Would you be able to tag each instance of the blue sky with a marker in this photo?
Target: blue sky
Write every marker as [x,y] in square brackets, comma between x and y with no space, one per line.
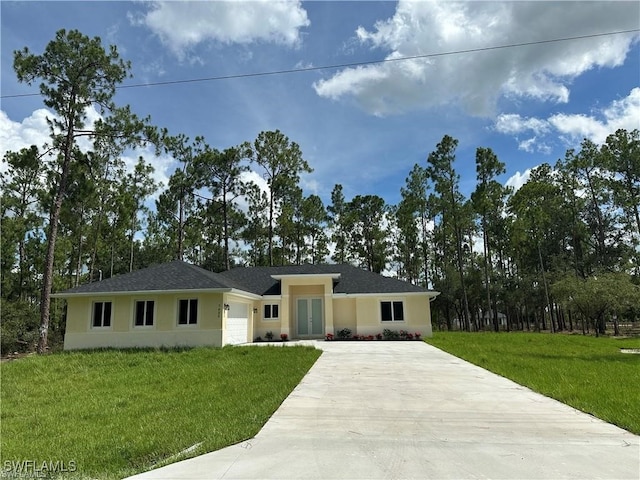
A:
[364,127]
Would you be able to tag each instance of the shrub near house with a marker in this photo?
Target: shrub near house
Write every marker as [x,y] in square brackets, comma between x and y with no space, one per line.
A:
[387,334]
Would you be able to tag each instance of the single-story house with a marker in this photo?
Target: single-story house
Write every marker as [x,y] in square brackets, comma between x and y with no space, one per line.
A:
[179,304]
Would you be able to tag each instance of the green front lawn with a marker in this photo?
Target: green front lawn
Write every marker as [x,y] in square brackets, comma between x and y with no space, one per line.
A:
[585,372]
[115,413]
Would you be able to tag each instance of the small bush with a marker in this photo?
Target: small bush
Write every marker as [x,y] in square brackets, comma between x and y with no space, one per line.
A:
[390,334]
[344,333]
[269,335]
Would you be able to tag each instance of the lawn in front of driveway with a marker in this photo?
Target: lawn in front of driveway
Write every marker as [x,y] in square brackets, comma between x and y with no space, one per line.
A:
[113,413]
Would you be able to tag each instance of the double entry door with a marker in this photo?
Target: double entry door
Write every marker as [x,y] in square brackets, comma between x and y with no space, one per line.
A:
[309,317]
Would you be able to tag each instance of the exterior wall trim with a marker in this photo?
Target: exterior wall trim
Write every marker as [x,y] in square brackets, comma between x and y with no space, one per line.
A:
[293,276]
[431,294]
[185,291]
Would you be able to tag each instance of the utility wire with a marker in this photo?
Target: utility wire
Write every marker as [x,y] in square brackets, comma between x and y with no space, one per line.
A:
[355,64]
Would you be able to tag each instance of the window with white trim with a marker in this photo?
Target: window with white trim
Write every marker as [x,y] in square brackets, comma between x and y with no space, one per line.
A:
[143,314]
[101,315]
[188,311]
[271,312]
[392,311]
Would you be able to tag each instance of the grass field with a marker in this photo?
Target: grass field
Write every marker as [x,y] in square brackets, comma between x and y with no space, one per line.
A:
[588,373]
[109,414]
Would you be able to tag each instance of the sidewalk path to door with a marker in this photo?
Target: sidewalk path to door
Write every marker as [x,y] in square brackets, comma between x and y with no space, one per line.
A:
[406,410]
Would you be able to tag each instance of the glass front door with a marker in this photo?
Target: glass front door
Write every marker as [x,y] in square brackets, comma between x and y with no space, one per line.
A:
[309,317]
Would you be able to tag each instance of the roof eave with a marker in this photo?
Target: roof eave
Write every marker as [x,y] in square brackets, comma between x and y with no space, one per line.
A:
[143,292]
[334,276]
[430,294]
[244,293]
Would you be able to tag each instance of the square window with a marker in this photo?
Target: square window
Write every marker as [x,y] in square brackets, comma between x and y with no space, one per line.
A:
[392,311]
[271,312]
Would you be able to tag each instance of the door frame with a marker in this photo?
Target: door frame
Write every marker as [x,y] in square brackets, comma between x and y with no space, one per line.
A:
[322,315]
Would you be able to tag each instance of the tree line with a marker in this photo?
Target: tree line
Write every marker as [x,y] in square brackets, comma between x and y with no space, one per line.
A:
[560,253]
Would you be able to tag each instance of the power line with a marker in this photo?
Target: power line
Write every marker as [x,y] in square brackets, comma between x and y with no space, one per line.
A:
[355,64]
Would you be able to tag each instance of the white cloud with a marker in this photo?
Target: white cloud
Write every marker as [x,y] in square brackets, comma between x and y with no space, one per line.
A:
[310,185]
[518,179]
[624,113]
[476,80]
[251,176]
[34,130]
[596,126]
[15,136]
[163,166]
[527,145]
[255,177]
[513,124]
[183,24]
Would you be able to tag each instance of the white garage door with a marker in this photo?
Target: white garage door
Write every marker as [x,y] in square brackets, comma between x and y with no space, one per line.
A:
[237,324]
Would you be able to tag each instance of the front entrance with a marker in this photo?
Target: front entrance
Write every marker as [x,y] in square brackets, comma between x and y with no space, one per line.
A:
[309,317]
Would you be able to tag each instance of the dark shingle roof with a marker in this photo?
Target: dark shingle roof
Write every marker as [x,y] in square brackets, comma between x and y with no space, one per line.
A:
[352,280]
[170,276]
[178,275]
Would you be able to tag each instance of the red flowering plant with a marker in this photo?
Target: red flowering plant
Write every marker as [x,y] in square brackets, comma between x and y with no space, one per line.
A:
[329,337]
[284,337]
[417,335]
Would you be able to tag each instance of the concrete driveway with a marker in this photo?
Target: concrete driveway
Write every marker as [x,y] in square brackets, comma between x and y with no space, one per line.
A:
[400,410]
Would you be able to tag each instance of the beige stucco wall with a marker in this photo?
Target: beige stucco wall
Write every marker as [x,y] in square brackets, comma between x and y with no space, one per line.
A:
[417,315]
[165,331]
[419,307]
[261,325]
[344,314]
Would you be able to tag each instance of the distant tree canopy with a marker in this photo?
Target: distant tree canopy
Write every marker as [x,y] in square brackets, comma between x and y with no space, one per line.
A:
[560,253]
